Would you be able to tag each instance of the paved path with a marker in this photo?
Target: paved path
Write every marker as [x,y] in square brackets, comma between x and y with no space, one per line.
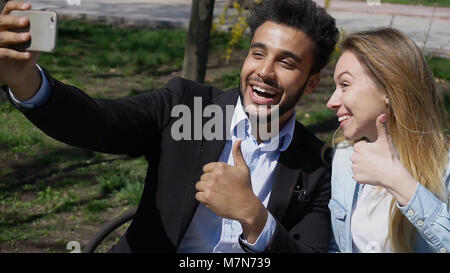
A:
[428,26]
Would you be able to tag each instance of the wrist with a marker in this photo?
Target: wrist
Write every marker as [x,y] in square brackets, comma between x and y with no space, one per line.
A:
[28,86]
[254,223]
[402,186]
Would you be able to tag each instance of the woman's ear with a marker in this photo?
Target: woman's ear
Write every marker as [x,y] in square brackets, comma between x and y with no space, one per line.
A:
[312,83]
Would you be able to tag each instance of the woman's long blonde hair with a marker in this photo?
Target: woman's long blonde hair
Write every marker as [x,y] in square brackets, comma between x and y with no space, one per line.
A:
[416,116]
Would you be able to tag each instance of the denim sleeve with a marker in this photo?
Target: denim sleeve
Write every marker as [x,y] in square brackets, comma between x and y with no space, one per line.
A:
[263,239]
[430,216]
[41,96]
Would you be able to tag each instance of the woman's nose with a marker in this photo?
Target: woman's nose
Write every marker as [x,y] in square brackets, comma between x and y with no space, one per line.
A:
[334,101]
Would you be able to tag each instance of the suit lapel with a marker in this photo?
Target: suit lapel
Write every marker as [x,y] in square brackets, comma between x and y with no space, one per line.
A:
[286,176]
[210,151]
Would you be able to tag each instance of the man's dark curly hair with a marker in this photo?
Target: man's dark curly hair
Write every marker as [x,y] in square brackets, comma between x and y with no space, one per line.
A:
[304,15]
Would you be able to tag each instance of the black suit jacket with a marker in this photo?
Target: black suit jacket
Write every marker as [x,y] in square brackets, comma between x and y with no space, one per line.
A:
[141,125]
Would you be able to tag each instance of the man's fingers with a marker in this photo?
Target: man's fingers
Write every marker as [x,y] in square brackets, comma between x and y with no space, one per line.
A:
[200,196]
[9,38]
[237,154]
[200,186]
[209,167]
[15,5]
[205,176]
[214,166]
[8,22]
[14,55]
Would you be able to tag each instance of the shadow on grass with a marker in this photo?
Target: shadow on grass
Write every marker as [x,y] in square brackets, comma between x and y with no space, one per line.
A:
[48,164]
[16,219]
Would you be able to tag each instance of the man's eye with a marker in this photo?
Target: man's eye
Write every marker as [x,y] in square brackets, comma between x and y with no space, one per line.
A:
[258,55]
[287,65]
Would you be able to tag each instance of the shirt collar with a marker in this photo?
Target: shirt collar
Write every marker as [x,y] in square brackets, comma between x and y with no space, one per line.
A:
[241,128]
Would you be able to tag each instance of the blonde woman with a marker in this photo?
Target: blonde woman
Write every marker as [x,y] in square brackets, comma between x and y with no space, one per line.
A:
[390,178]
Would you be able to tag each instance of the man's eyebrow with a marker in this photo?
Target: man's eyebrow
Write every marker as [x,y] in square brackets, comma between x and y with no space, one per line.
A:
[284,53]
[292,55]
[259,45]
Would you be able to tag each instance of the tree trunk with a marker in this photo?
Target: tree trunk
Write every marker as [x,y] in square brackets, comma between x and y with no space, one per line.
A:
[197,42]
[2,4]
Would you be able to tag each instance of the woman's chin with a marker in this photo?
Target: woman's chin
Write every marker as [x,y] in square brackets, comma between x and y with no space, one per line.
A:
[350,136]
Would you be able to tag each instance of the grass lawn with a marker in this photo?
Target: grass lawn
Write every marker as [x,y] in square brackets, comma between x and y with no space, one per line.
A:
[438,3]
[50,193]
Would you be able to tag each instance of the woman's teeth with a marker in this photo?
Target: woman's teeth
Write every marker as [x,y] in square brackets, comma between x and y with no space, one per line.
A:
[342,118]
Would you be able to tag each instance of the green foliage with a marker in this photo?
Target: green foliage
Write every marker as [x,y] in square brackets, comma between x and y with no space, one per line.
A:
[441,3]
[115,180]
[96,206]
[16,132]
[104,47]
[316,116]
[230,79]
[132,192]
[440,67]
[238,26]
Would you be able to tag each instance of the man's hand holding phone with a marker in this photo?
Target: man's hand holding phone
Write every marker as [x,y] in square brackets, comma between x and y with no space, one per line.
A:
[17,69]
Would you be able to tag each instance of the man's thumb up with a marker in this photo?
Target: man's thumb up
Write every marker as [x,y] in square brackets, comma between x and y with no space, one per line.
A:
[237,154]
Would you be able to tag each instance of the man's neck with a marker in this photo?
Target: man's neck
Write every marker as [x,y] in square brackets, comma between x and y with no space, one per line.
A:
[281,123]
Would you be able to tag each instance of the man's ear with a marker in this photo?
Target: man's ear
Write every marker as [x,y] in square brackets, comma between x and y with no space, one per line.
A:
[312,83]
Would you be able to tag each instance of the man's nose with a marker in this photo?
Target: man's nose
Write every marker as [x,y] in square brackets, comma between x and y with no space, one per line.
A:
[266,71]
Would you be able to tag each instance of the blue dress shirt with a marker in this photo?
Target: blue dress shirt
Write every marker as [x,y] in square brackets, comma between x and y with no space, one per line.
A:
[41,96]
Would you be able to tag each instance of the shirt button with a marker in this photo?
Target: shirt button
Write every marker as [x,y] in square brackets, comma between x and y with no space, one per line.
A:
[443,250]
[420,223]
[410,212]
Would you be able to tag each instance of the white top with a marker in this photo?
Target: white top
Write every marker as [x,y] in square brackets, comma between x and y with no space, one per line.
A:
[370,221]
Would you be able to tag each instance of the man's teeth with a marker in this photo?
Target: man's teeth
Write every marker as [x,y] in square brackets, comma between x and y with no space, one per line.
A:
[259,89]
[341,118]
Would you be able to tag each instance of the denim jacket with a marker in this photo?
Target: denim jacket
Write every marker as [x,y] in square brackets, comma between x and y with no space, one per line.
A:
[429,215]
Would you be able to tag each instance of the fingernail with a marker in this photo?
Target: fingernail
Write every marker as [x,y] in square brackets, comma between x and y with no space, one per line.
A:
[24,36]
[25,5]
[383,118]
[22,20]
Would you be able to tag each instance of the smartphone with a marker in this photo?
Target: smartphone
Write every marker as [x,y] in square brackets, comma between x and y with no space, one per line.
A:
[43,28]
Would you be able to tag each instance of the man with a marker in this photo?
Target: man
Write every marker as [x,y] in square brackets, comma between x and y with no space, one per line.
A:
[240,193]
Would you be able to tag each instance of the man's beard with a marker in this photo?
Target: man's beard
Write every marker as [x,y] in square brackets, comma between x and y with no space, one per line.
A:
[283,108]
